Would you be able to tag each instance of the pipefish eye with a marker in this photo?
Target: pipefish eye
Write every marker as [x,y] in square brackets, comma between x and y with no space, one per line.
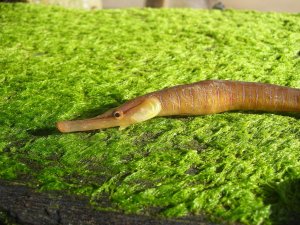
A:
[118,114]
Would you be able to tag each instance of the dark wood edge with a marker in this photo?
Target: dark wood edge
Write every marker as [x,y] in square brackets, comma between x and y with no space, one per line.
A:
[24,205]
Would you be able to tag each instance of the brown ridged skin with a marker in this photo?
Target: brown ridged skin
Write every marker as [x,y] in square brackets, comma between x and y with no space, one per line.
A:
[215,96]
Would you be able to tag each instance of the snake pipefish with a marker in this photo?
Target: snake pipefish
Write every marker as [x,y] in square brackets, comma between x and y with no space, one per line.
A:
[201,98]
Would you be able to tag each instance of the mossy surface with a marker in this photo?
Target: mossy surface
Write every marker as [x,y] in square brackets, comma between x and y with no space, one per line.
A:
[58,64]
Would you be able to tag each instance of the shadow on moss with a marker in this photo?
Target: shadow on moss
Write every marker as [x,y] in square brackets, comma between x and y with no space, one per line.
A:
[284,198]
[43,132]
[96,111]
[289,114]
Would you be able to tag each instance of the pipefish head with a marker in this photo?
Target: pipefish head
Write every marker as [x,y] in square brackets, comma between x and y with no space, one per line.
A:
[134,111]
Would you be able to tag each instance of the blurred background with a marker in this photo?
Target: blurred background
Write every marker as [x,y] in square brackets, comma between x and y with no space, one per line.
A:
[260,5]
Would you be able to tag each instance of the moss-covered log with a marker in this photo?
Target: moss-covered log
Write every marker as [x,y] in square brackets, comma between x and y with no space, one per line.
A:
[58,64]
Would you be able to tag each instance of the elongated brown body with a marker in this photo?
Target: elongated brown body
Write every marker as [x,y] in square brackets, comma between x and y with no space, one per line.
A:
[201,98]
[215,96]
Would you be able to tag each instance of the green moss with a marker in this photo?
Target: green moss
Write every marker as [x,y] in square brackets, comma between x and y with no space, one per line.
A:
[58,64]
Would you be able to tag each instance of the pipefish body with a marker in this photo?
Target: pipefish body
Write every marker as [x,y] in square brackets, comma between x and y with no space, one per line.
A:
[201,98]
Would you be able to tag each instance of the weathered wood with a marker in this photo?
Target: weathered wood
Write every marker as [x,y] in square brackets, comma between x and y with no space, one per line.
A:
[155,3]
[27,206]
